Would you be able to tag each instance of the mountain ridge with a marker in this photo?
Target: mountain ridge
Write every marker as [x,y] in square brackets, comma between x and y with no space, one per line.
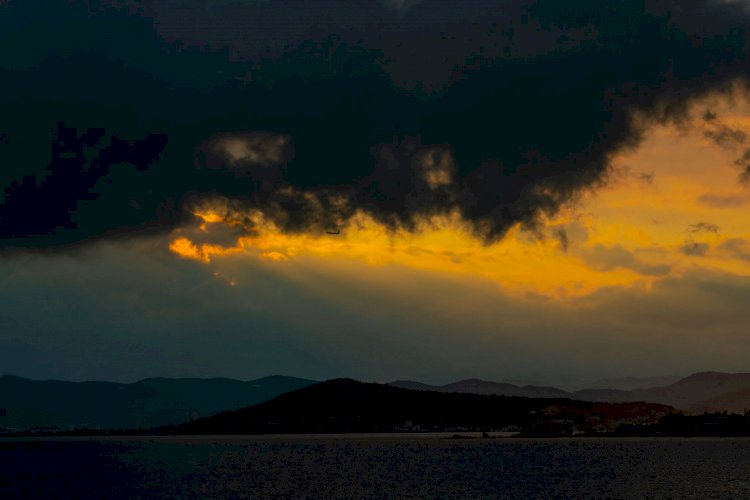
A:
[350,406]
[154,401]
[708,391]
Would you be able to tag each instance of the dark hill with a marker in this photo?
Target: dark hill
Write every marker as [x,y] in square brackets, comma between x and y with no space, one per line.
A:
[345,405]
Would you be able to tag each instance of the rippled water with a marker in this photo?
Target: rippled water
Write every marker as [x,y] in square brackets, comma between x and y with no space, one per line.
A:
[374,467]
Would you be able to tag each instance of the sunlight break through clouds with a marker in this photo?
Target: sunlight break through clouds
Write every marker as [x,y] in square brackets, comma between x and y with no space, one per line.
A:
[652,221]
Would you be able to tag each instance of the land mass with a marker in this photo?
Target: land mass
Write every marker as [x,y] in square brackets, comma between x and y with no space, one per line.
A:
[345,405]
[54,406]
[348,406]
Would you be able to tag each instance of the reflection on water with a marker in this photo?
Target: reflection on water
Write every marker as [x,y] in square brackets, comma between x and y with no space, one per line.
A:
[349,466]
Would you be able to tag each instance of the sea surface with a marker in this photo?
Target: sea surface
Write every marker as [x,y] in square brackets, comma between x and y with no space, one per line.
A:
[366,466]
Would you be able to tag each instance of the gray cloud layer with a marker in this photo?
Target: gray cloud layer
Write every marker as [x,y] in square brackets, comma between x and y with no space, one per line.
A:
[128,311]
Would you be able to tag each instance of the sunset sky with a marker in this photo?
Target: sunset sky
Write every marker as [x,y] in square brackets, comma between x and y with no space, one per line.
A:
[430,190]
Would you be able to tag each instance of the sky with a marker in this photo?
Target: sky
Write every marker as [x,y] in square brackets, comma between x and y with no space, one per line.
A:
[430,190]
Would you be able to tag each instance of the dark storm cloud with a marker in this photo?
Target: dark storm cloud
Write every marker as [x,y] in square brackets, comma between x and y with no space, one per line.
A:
[116,117]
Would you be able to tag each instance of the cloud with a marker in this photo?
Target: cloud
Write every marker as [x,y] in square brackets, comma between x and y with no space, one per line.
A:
[438,167]
[321,318]
[604,258]
[500,112]
[698,305]
[703,227]
[724,135]
[694,248]
[719,201]
[245,150]
[646,178]
[275,256]
[697,248]
[738,248]
[731,138]
[562,236]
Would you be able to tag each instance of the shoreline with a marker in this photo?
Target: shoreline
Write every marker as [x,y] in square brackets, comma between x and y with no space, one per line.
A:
[374,436]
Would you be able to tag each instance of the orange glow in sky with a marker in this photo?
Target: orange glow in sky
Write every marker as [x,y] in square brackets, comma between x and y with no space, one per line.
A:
[675,204]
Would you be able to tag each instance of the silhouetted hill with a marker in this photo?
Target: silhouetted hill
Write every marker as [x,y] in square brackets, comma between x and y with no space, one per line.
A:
[345,405]
[57,404]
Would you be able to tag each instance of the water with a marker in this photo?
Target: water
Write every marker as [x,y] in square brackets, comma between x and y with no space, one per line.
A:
[374,467]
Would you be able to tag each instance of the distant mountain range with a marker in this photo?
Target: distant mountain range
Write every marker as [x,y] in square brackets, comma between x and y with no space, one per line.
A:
[54,404]
[630,383]
[345,405]
[697,393]
[477,386]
